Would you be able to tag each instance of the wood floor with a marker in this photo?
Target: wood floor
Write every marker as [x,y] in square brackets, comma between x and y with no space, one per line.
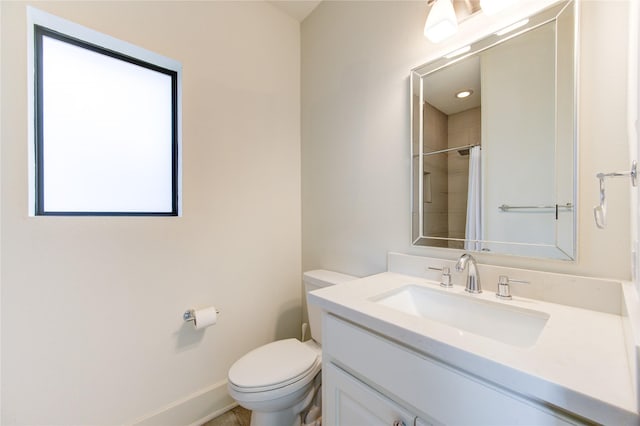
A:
[235,417]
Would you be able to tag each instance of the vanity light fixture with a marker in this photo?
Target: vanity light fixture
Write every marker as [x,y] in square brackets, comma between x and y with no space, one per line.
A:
[441,21]
[458,52]
[512,27]
[464,93]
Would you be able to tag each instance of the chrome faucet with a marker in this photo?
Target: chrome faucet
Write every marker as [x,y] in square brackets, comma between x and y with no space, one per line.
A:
[473,279]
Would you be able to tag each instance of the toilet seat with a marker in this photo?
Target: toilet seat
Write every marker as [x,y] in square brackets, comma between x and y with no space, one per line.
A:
[274,366]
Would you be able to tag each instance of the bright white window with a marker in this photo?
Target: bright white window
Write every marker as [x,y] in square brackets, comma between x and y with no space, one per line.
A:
[106,130]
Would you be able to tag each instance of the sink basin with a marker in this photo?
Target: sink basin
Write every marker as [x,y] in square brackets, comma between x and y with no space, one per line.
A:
[508,324]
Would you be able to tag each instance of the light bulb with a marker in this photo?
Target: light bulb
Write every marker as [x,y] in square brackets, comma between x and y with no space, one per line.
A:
[441,22]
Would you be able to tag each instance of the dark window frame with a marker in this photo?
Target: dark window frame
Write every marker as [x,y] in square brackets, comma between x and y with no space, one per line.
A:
[39,33]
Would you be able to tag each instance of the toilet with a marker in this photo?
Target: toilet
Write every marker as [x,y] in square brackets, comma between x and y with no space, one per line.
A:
[279,381]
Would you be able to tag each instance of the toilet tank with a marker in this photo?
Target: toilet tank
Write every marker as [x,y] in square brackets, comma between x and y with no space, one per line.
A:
[314,280]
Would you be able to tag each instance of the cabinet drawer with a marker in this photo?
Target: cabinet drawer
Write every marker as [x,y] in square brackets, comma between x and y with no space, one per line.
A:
[440,392]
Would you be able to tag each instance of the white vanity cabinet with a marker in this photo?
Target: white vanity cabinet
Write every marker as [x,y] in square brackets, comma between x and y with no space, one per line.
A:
[354,403]
[370,380]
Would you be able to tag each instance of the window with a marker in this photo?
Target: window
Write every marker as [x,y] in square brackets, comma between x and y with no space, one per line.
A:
[106,134]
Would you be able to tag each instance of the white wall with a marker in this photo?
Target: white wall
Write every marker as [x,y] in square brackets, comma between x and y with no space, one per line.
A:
[356,58]
[91,307]
[1,84]
[633,128]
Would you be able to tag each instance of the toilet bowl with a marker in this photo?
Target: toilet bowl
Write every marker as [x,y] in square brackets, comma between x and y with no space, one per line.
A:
[278,381]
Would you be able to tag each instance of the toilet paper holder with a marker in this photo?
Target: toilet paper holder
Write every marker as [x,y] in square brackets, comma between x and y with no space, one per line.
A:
[189,316]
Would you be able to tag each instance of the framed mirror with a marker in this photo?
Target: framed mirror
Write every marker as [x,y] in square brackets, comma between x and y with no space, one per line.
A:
[494,143]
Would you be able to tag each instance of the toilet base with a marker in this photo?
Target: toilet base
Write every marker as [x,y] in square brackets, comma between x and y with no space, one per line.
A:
[275,418]
[290,416]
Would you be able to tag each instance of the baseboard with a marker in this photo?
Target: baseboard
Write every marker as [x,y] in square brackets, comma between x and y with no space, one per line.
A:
[193,410]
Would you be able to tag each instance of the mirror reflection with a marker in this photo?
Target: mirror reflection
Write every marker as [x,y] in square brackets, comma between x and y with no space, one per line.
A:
[494,143]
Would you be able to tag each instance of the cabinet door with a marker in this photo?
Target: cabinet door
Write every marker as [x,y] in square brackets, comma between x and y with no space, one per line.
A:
[349,402]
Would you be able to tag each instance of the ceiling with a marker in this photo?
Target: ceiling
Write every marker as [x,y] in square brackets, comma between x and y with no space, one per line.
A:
[297,9]
[440,87]
[300,9]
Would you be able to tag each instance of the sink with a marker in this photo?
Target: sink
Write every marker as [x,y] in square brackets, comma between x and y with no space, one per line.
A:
[508,324]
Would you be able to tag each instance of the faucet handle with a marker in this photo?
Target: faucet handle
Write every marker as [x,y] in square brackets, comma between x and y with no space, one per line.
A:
[504,291]
[445,279]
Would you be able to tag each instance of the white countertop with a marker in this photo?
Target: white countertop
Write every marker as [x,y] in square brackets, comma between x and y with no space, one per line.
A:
[579,362]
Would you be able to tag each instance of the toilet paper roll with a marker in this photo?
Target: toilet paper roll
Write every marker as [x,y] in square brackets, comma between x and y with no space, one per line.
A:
[204,317]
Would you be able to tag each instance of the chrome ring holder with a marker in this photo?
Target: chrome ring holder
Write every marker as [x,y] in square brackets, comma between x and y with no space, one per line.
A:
[600,211]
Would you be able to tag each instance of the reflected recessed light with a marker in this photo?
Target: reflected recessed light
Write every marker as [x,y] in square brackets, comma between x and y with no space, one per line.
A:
[512,27]
[464,93]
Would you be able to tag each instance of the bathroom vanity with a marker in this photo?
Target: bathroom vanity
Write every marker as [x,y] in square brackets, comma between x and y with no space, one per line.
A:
[400,349]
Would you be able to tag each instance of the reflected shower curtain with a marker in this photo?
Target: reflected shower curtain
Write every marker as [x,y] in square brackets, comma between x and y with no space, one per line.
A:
[473,229]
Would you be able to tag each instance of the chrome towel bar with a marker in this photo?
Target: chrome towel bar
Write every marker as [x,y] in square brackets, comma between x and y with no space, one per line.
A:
[506,207]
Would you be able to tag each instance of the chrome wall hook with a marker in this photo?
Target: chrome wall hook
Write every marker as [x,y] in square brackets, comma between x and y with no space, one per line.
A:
[600,211]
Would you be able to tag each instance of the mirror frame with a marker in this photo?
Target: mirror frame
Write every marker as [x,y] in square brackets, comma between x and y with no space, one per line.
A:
[545,16]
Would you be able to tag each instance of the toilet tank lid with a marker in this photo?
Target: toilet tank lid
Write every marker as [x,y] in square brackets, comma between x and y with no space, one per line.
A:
[322,277]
